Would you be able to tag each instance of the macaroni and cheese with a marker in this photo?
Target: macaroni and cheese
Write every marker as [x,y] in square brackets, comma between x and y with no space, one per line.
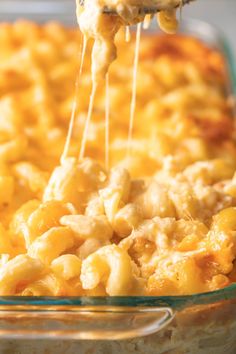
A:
[102,27]
[157,216]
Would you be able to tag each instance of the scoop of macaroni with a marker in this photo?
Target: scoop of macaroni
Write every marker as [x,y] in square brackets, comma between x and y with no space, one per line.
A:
[158,222]
[103,27]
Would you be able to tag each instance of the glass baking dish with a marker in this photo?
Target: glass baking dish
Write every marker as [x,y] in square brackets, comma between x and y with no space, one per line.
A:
[196,324]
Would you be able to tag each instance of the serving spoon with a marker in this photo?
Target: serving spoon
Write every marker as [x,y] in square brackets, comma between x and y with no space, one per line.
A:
[159,5]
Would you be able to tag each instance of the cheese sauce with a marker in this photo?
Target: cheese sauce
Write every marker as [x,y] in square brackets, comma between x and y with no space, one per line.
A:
[102,27]
[134,88]
[127,34]
[107,122]
[147,21]
[87,121]
[74,106]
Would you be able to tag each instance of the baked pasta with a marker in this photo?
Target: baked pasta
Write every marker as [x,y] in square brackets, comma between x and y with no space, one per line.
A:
[102,27]
[161,221]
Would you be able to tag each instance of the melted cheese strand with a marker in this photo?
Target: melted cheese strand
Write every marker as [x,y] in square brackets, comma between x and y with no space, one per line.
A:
[127,34]
[134,87]
[147,21]
[107,122]
[88,119]
[75,105]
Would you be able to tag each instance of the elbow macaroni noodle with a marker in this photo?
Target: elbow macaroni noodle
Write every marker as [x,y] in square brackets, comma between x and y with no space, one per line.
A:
[157,217]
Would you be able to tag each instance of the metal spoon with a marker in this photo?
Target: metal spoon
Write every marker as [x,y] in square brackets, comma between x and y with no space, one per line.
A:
[159,5]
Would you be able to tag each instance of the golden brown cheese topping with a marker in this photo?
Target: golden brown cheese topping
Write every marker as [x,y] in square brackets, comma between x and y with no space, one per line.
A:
[148,223]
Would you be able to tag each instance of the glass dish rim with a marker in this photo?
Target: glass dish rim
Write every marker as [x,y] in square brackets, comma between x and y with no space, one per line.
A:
[175,302]
[178,302]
